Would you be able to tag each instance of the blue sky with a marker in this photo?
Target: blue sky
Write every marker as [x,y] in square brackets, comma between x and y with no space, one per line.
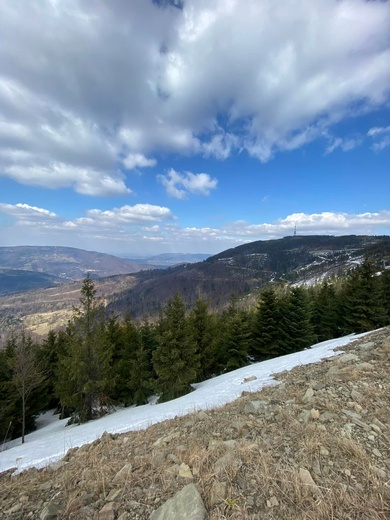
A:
[137,128]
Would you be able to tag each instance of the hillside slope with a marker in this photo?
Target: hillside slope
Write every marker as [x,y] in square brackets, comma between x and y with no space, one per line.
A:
[242,270]
[315,447]
[67,263]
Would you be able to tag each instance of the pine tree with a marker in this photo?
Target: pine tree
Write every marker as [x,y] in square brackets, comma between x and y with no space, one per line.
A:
[325,317]
[295,325]
[84,375]
[202,326]
[234,338]
[265,342]
[175,360]
[362,300]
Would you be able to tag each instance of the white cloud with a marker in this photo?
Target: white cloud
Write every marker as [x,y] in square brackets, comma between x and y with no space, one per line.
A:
[145,229]
[137,160]
[178,185]
[60,175]
[381,136]
[345,145]
[91,89]
[25,211]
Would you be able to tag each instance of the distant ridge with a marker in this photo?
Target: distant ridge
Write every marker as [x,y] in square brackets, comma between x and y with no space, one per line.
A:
[65,263]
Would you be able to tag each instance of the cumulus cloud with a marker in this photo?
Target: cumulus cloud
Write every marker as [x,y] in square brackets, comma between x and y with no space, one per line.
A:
[137,160]
[145,229]
[178,184]
[94,89]
[26,212]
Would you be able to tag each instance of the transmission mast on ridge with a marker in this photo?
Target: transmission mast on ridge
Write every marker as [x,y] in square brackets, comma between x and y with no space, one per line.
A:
[295,230]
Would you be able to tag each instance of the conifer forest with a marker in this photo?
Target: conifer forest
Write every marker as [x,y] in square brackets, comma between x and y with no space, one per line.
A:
[100,361]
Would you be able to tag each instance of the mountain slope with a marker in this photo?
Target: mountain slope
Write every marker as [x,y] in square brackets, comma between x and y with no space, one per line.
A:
[245,268]
[312,448]
[67,263]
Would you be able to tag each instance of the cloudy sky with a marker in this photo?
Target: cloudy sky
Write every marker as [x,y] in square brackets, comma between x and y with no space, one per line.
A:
[141,127]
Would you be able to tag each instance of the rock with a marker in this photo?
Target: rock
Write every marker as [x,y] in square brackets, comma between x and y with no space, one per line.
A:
[157,459]
[123,474]
[365,366]
[314,414]
[308,395]
[218,493]
[307,480]
[114,494]
[187,504]
[185,471]
[367,346]
[254,406]
[272,502]
[50,511]
[346,358]
[228,461]
[57,465]
[355,395]
[304,416]
[166,439]
[108,512]
[248,379]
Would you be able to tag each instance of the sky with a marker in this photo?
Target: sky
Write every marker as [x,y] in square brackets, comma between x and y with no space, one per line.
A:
[168,126]
[53,438]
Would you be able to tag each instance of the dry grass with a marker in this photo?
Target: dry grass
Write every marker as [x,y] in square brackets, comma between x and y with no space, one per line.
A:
[257,473]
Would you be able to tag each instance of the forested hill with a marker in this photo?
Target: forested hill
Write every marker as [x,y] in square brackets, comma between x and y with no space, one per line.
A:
[245,268]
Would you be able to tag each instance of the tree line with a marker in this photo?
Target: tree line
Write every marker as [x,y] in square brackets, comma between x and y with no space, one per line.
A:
[99,361]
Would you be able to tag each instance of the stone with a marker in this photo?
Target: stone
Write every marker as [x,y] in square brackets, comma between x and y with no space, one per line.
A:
[308,395]
[185,471]
[367,346]
[254,406]
[314,414]
[57,465]
[186,504]
[249,379]
[307,480]
[272,502]
[355,395]
[346,358]
[114,494]
[218,493]
[157,459]
[50,511]
[166,439]
[123,474]
[365,366]
[227,462]
[108,512]
[304,416]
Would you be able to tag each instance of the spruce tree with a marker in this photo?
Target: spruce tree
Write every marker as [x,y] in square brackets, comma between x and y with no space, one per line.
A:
[295,324]
[175,360]
[362,300]
[202,327]
[84,374]
[325,316]
[234,338]
[265,343]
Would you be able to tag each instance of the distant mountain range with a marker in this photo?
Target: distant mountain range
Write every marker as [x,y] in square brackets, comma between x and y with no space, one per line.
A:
[29,267]
[241,271]
[23,268]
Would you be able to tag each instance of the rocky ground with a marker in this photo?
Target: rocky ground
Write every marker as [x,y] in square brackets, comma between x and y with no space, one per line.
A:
[314,447]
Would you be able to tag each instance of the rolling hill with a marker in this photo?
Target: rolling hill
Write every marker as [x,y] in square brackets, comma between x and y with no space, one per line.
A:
[241,271]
